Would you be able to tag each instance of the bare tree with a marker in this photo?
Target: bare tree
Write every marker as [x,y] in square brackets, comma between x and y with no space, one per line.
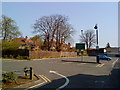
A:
[53,28]
[88,37]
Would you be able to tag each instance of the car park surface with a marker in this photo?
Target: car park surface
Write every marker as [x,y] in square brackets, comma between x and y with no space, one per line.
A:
[85,74]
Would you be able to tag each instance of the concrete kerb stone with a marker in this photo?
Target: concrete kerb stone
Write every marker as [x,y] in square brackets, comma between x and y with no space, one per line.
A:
[55,58]
[39,59]
[27,85]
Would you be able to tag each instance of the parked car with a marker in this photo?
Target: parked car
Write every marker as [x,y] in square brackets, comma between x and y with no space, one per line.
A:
[104,57]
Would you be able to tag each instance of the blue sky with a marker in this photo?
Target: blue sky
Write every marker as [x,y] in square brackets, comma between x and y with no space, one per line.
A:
[82,15]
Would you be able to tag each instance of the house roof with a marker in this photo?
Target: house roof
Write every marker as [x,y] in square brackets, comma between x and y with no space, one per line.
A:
[23,40]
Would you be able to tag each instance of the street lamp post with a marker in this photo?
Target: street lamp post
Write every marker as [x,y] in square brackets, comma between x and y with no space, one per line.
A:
[97,47]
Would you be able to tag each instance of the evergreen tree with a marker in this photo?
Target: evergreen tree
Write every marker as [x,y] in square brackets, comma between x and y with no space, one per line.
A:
[108,45]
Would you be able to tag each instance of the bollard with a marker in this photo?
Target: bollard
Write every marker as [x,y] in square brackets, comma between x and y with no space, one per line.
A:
[30,73]
[98,61]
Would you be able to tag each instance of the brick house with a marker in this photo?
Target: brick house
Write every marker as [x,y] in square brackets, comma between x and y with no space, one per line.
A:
[23,41]
[63,46]
[113,51]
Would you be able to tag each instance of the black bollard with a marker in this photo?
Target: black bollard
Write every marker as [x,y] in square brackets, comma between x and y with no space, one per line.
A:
[30,73]
[98,61]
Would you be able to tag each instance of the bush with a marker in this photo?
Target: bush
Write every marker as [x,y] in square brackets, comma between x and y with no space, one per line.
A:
[6,45]
[19,57]
[5,56]
[23,57]
[8,77]
[8,56]
[11,56]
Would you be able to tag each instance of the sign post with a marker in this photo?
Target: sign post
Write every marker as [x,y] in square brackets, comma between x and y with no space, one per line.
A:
[80,48]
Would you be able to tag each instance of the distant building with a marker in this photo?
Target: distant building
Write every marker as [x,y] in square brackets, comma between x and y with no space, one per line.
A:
[110,51]
[63,46]
[113,51]
[23,41]
[93,51]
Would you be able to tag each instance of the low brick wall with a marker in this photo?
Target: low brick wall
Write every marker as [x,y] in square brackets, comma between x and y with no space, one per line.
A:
[50,54]
[68,54]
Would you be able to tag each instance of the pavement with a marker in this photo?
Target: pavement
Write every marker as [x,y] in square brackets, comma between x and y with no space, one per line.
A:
[42,81]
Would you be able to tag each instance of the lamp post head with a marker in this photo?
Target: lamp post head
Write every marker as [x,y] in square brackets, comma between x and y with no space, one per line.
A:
[95,26]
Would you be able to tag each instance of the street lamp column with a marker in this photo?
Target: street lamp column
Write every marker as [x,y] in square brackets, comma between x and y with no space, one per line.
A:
[97,47]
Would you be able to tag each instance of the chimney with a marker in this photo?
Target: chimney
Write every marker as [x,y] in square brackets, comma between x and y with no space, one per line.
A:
[26,37]
[10,38]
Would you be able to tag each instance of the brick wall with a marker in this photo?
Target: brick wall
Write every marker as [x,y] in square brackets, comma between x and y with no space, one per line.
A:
[50,54]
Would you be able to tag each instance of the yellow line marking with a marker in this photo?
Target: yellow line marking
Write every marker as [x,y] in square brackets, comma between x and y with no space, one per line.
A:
[66,62]
[83,63]
[100,65]
[37,85]
[46,78]
[43,78]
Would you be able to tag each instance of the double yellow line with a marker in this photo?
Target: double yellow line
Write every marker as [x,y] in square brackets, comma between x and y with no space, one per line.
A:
[46,80]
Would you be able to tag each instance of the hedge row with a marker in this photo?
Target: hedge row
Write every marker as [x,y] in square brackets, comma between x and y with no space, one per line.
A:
[14,53]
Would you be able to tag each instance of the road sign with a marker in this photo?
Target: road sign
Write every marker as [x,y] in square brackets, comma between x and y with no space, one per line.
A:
[80,45]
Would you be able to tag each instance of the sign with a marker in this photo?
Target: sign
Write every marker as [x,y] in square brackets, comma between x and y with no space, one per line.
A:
[80,45]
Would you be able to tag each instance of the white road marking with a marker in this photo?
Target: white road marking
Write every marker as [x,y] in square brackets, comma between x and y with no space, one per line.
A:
[67,80]
[114,62]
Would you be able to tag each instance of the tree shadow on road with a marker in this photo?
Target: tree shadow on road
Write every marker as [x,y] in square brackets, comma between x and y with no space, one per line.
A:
[88,81]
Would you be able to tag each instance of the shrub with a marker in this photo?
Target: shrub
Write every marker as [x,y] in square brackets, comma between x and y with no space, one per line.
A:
[11,56]
[19,57]
[5,56]
[9,77]
[6,45]
[23,57]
